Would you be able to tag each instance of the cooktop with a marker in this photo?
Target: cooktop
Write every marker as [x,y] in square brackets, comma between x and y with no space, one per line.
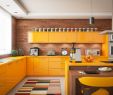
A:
[107,61]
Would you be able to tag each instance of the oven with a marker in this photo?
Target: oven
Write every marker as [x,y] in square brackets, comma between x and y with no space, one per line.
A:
[111,49]
[111,37]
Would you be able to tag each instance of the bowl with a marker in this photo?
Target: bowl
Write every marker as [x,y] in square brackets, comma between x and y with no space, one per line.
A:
[105,69]
[89,58]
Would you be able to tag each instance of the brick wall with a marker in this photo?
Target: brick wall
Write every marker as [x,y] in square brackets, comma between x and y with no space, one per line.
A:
[23,26]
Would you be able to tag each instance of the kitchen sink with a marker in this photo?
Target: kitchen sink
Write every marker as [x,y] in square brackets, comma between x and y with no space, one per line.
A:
[107,61]
[6,60]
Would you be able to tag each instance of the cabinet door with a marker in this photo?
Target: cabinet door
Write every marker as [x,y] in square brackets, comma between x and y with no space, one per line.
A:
[97,38]
[70,37]
[56,72]
[57,62]
[12,75]
[41,66]
[89,37]
[61,37]
[56,66]
[38,37]
[3,84]
[21,68]
[57,37]
[82,37]
[30,66]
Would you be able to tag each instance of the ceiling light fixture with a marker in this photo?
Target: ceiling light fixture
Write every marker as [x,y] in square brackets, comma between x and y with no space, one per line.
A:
[91,19]
[15,12]
[8,5]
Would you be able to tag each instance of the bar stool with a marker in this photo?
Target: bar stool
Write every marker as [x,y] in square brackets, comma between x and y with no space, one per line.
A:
[96,85]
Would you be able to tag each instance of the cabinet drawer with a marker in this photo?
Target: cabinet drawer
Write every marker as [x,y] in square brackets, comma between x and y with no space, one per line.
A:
[41,72]
[54,65]
[56,72]
[41,60]
[56,59]
[41,65]
[29,60]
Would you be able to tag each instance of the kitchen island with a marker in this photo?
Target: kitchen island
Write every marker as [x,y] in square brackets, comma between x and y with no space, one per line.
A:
[73,72]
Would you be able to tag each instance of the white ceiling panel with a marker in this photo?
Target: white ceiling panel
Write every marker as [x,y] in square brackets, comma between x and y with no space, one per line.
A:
[58,9]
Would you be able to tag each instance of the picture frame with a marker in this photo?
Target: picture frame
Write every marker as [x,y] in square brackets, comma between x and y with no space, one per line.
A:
[34,51]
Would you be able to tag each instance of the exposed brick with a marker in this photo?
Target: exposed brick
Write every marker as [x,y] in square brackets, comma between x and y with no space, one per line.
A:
[23,26]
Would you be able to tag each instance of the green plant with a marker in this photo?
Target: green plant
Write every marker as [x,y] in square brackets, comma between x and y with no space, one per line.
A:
[14,52]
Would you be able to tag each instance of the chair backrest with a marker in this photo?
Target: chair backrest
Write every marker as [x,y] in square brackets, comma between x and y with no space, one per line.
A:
[96,85]
[97,81]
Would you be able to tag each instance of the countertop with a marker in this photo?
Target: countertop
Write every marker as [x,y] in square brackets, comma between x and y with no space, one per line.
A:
[10,59]
[96,62]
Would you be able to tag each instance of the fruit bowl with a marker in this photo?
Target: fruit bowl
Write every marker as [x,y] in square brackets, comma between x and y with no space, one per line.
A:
[89,58]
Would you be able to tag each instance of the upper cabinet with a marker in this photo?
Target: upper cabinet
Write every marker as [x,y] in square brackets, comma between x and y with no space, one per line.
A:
[61,37]
[89,37]
[38,37]
[65,37]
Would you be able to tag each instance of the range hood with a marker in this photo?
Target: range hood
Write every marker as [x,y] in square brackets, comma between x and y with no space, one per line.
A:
[106,32]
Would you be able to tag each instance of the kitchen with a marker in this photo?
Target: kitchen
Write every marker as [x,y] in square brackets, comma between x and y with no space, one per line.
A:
[49,41]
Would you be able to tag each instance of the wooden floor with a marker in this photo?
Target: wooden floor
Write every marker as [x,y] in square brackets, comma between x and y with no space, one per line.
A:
[12,92]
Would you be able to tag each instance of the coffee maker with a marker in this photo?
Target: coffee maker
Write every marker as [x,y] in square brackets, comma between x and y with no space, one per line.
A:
[75,54]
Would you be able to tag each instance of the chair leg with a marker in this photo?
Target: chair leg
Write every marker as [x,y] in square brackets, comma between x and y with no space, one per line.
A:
[110,90]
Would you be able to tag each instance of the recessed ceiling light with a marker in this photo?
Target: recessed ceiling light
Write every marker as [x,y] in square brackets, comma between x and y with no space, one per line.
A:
[15,12]
[7,5]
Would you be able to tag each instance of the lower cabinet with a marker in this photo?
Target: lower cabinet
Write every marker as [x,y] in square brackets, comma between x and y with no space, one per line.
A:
[46,66]
[57,66]
[56,72]
[30,66]
[41,66]
[3,89]
[11,74]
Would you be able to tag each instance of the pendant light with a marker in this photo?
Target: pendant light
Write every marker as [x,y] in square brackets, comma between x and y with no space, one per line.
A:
[91,19]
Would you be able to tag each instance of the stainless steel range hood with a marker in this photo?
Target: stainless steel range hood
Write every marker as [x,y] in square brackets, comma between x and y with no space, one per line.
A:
[106,32]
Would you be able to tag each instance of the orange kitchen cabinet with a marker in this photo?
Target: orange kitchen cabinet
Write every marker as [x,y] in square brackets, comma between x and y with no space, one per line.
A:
[89,37]
[11,75]
[70,37]
[24,66]
[56,62]
[21,68]
[41,66]
[37,37]
[57,66]
[30,66]
[56,72]
[61,37]
[3,80]
[56,37]
[15,72]
[98,38]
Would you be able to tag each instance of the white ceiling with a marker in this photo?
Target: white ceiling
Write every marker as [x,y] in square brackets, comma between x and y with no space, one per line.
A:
[58,9]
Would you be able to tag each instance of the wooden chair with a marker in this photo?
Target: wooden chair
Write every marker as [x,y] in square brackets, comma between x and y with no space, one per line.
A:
[96,85]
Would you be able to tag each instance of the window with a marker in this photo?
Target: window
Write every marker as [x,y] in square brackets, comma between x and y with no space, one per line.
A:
[5,32]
